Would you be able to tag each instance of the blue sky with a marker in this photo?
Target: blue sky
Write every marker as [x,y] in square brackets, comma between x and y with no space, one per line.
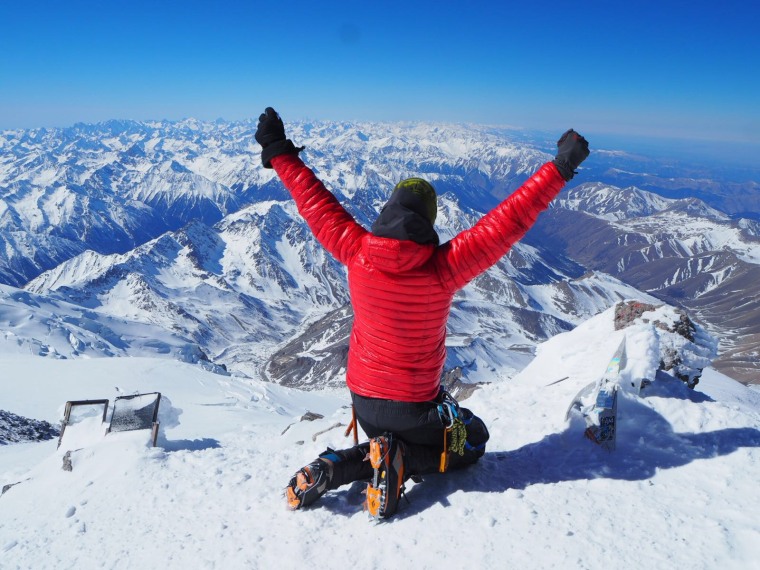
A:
[639,68]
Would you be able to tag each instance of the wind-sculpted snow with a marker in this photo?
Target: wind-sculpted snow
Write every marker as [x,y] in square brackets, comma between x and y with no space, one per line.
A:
[679,490]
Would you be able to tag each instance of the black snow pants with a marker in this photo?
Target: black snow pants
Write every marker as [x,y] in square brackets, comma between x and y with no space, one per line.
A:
[419,426]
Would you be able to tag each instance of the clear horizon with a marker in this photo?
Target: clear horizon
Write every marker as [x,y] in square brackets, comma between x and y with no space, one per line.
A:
[739,158]
[662,70]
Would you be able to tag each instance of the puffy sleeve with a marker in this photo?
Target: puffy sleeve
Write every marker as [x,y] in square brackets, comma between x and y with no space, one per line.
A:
[331,224]
[473,251]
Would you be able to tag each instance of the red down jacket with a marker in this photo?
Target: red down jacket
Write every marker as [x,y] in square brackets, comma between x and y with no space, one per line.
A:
[401,291]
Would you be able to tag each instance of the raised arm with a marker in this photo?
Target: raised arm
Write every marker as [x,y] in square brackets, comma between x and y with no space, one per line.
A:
[473,251]
[331,224]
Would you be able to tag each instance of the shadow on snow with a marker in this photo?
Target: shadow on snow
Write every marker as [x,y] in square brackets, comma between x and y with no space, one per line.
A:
[646,443]
[189,444]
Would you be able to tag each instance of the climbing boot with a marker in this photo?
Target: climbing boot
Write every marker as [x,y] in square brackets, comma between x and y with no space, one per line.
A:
[309,483]
[386,455]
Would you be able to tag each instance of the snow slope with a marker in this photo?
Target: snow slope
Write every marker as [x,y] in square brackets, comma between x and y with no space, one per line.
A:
[679,490]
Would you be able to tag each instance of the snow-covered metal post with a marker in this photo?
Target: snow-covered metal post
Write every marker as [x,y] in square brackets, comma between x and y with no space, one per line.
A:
[601,414]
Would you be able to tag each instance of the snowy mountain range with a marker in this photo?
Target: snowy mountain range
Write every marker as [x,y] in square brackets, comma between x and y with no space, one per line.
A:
[174,231]
[113,186]
[681,251]
[143,257]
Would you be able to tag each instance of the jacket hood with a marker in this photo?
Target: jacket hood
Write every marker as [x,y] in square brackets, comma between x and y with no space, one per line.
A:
[404,217]
[395,256]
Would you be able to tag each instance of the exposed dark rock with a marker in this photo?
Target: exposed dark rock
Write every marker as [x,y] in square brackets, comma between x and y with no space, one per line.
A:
[67,466]
[717,286]
[627,312]
[452,380]
[311,416]
[18,429]
[7,487]
[672,354]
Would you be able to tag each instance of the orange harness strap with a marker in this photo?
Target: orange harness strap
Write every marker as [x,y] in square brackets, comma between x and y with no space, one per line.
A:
[444,464]
[352,426]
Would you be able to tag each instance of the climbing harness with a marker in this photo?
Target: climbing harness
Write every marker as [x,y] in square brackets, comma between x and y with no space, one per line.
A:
[455,431]
[352,426]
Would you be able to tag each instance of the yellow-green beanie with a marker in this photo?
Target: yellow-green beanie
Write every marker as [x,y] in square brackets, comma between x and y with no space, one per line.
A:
[425,191]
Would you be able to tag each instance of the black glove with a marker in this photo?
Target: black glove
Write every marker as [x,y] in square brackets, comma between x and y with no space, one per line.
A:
[270,134]
[572,150]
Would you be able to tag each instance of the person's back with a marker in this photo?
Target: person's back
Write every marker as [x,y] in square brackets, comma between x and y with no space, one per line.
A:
[402,283]
[397,346]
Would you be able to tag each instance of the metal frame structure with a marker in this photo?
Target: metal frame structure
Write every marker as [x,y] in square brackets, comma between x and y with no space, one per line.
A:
[154,417]
[73,404]
[105,403]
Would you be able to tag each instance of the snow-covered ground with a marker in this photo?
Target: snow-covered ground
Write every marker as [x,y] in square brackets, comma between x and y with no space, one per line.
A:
[679,491]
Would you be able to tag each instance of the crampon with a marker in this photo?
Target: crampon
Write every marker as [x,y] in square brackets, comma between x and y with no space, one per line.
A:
[386,455]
